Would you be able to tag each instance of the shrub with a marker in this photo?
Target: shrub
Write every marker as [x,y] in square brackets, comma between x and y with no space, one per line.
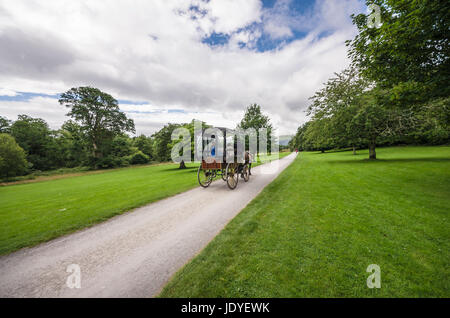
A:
[139,158]
[12,157]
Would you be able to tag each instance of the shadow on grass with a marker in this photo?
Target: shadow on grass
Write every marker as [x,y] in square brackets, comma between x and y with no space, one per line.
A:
[176,168]
[350,151]
[367,160]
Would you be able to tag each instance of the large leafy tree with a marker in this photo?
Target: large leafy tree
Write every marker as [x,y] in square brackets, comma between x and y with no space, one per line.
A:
[74,143]
[433,123]
[144,144]
[35,137]
[99,116]
[162,141]
[409,52]
[318,135]
[254,118]
[12,157]
[297,142]
[349,111]
[375,117]
[337,100]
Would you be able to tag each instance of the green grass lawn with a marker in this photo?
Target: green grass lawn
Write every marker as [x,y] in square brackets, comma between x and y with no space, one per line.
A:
[36,212]
[316,228]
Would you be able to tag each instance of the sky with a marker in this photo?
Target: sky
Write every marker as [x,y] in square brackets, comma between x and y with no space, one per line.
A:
[173,60]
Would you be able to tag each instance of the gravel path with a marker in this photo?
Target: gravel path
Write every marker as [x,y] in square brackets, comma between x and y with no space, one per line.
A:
[136,253]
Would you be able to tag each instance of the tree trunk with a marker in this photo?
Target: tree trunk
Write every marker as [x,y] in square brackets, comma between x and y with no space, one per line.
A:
[94,151]
[354,150]
[182,165]
[372,153]
[95,155]
[323,151]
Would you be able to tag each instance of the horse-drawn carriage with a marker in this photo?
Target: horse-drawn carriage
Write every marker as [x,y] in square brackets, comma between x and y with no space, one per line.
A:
[219,159]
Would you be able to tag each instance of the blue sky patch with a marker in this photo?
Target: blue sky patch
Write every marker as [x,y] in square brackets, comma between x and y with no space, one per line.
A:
[265,42]
[216,39]
[130,102]
[27,96]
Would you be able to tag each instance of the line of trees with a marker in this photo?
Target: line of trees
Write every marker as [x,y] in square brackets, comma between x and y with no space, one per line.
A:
[396,89]
[96,136]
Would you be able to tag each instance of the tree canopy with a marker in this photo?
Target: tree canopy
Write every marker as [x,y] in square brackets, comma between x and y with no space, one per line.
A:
[254,118]
[409,52]
[98,114]
[396,88]
[12,157]
[35,137]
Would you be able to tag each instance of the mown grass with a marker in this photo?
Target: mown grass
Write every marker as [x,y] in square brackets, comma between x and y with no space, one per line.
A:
[36,212]
[316,228]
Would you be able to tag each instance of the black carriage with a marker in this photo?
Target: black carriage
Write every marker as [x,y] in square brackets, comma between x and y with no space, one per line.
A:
[215,166]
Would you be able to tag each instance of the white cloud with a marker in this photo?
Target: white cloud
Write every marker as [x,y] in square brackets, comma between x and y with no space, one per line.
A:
[43,107]
[152,51]
[229,16]
[7,92]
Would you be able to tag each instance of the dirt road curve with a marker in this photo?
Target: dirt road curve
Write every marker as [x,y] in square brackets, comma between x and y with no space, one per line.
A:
[134,254]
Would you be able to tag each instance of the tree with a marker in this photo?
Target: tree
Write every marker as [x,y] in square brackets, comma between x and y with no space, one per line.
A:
[139,158]
[35,137]
[433,123]
[144,144]
[318,135]
[99,116]
[336,100]
[75,142]
[121,146]
[162,141]
[298,141]
[375,117]
[4,125]
[349,111]
[191,128]
[254,118]
[12,157]
[409,53]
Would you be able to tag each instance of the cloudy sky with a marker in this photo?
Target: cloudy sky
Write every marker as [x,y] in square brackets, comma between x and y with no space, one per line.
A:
[172,61]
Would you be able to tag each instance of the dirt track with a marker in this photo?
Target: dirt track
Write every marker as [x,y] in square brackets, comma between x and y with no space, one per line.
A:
[134,254]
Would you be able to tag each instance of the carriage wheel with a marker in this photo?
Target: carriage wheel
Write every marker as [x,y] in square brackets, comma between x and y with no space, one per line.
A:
[246,173]
[204,177]
[232,176]
[223,174]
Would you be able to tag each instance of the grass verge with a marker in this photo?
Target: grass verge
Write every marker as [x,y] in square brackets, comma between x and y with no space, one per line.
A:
[315,229]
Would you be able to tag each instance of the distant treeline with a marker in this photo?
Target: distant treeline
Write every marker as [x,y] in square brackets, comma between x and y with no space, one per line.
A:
[428,126]
[96,137]
[70,146]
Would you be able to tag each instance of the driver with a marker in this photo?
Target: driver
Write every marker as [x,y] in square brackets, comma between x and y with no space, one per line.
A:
[248,160]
